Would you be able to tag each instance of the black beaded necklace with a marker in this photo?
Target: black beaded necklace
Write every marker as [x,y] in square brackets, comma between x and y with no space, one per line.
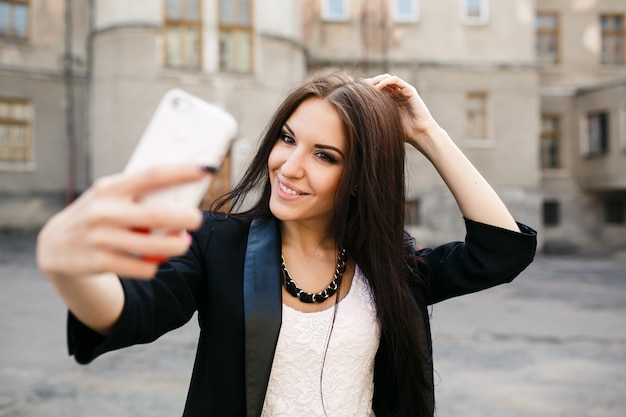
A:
[319,297]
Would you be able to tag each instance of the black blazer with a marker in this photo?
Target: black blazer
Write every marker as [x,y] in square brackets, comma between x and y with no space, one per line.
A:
[231,277]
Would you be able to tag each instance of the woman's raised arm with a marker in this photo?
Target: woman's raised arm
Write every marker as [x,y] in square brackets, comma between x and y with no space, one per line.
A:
[477,200]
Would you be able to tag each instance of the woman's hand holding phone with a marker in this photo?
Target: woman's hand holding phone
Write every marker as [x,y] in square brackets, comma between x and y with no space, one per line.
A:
[130,222]
[110,230]
[105,229]
[100,236]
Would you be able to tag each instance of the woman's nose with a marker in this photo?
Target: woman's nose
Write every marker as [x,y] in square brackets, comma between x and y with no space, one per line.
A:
[293,165]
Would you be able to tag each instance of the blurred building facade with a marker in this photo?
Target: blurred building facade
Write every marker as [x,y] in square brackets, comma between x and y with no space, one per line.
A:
[80,79]
[582,74]
[43,85]
[534,92]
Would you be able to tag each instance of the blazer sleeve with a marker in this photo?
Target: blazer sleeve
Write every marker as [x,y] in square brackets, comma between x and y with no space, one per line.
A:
[151,308]
[489,256]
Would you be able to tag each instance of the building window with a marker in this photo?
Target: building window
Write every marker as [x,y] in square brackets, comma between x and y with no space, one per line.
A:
[547,38]
[335,10]
[14,19]
[476,116]
[475,12]
[614,211]
[550,141]
[405,11]
[183,34]
[412,212]
[612,27]
[235,36]
[597,133]
[15,131]
[551,213]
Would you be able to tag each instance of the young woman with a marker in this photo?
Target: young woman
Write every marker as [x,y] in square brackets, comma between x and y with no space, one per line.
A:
[313,302]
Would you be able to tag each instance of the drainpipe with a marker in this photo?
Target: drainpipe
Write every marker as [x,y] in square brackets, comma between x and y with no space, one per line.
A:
[87,157]
[384,34]
[364,27]
[70,132]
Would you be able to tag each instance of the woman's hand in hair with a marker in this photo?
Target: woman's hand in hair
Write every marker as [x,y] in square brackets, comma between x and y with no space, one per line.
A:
[418,122]
[475,197]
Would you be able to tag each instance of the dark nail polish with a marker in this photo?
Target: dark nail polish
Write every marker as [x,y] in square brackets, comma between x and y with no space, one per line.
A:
[208,168]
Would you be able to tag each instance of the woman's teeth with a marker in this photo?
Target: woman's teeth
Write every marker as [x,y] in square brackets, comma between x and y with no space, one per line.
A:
[287,190]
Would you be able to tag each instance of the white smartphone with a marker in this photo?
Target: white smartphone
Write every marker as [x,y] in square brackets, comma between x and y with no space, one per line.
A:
[184,129]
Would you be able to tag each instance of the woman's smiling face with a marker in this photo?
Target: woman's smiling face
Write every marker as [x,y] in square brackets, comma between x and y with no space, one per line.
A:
[306,164]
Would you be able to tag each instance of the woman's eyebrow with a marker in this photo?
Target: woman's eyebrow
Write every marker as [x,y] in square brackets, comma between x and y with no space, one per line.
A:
[290,130]
[317,145]
[332,148]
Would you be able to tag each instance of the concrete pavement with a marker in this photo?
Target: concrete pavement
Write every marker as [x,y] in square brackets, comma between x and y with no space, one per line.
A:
[551,344]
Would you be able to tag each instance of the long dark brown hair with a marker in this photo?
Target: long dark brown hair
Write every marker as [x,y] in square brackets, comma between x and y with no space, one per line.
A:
[369,224]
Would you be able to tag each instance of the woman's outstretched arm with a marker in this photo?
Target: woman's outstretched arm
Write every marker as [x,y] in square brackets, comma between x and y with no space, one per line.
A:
[477,200]
[102,235]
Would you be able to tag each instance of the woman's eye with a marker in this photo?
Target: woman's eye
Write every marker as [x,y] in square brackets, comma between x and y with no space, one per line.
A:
[287,138]
[326,157]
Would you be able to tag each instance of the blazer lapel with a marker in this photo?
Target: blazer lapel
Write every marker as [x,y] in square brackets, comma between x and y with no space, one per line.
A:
[262,308]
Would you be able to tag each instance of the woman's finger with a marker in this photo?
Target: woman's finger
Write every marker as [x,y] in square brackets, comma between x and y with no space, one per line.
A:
[123,252]
[126,213]
[396,83]
[376,79]
[139,183]
[126,265]
[140,243]
[83,261]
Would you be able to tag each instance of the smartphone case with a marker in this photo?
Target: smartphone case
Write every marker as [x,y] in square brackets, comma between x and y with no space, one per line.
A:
[184,129]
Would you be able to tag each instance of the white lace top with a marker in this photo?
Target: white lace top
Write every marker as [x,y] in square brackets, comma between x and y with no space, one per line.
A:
[347,382]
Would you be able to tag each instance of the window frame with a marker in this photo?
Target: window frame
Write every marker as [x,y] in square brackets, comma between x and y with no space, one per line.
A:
[327,16]
[28,162]
[412,18]
[486,130]
[613,34]
[551,213]
[481,19]
[555,33]
[555,136]
[590,151]
[231,28]
[614,211]
[182,23]
[12,37]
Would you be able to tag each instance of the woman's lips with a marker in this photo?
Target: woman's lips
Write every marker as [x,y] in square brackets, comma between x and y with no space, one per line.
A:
[288,189]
